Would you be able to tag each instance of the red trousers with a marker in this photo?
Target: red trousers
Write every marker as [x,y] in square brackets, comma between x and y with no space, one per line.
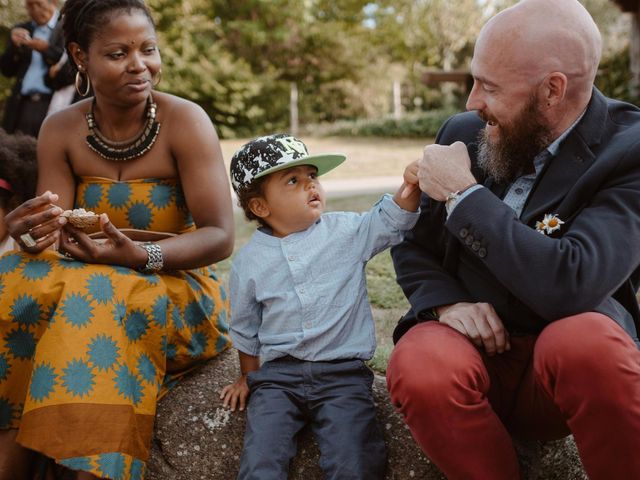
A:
[581,375]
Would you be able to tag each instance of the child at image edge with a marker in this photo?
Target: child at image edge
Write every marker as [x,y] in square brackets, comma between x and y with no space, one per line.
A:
[299,305]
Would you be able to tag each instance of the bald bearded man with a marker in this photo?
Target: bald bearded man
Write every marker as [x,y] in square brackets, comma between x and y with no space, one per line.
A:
[523,268]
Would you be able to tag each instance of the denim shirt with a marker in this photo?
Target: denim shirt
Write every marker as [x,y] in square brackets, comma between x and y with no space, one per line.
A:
[305,295]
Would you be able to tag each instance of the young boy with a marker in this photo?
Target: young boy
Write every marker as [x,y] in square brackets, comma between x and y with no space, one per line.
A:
[299,304]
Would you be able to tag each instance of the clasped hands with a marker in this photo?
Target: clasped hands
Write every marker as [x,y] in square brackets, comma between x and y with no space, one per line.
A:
[444,169]
[37,224]
[22,38]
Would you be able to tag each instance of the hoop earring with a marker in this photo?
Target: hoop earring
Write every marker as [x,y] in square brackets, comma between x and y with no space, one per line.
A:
[157,78]
[78,84]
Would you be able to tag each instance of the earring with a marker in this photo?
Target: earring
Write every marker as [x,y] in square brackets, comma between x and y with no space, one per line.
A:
[79,81]
[157,78]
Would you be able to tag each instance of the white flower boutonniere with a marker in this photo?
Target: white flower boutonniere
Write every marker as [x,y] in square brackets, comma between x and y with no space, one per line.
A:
[549,224]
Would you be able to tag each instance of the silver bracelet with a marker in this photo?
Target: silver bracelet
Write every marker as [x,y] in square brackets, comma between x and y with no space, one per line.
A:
[154,258]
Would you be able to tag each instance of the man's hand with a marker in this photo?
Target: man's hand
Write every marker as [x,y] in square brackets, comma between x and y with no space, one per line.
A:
[20,36]
[235,395]
[479,322]
[445,169]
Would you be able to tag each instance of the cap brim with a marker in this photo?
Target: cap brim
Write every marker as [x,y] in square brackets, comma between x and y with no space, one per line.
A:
[324,163]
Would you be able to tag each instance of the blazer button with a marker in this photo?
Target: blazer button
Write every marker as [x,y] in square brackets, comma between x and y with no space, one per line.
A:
[468,240]
[475,246]
[482,252]
[463,232]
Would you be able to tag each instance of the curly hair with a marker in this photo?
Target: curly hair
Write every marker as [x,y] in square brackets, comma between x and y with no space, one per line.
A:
[254,190]
[18,166]
[82,19]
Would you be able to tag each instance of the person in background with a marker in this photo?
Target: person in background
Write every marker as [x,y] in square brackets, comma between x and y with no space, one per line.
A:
[18,175]
[96,332]
[28,56]
[523,269]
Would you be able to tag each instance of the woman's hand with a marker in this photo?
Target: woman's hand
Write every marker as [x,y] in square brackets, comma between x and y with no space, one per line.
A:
[235,394]
[35,225]
[115,249]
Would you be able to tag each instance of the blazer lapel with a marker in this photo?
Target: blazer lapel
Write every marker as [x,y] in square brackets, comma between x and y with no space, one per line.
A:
[559,175]
[573,159]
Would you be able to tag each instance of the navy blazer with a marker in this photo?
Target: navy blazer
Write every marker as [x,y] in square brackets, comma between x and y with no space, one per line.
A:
[484,253]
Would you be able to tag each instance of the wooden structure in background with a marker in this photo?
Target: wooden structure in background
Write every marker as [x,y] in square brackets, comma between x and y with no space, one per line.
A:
[628,5]
[433,78]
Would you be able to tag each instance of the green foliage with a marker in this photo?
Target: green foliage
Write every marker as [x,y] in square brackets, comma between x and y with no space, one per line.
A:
[11,12]
[614,77]
[238,59]
[5,83]
[416,125]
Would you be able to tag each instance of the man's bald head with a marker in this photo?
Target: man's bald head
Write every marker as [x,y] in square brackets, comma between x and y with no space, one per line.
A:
[537,37]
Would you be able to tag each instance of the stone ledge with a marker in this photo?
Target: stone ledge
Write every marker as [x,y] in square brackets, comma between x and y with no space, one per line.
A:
[195,438]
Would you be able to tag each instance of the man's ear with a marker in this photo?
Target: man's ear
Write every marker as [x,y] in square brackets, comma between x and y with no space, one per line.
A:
[554,88]
[259,207]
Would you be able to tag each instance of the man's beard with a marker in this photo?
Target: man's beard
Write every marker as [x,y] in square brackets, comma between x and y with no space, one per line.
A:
[519,143]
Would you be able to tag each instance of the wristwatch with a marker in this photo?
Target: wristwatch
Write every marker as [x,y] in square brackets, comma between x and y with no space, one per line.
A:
[154,258]
[451,200]
[453,197]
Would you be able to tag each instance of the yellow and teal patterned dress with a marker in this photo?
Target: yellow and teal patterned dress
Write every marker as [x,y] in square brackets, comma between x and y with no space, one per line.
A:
[87,350]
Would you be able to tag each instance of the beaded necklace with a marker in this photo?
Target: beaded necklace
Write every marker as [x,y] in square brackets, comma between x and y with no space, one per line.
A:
[127,149]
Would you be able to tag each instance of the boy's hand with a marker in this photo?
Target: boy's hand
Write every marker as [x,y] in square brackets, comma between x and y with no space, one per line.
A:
[408,195]
[235,394]
[411,180]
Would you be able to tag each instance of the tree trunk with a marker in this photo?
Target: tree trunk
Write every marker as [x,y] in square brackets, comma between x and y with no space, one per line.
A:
[293,109]
[634,52]
[397,100]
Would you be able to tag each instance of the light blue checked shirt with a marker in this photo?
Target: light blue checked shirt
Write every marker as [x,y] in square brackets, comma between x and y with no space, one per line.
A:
[305,295]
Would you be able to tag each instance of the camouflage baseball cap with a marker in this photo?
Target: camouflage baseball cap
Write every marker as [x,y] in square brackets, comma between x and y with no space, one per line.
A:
[269,154]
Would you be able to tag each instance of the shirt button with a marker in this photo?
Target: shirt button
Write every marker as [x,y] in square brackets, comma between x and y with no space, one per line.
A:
[302,290]
[519,191]
[291,258]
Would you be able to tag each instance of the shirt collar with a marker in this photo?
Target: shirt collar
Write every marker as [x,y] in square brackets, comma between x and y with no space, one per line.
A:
[552,149]
[555,145]
[54,19]
[265,235]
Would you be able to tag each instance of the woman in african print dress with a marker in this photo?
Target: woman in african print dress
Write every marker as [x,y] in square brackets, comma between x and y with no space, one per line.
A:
[91,335]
